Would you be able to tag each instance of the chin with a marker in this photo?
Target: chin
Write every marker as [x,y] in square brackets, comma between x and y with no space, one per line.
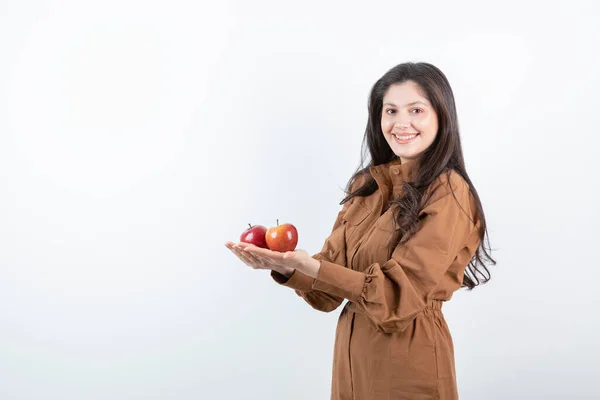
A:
[405,154]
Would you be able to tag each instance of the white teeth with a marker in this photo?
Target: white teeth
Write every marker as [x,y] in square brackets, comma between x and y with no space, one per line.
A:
[405,137]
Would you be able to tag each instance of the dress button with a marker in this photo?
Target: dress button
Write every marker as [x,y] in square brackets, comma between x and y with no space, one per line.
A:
[396,171]
[368,279]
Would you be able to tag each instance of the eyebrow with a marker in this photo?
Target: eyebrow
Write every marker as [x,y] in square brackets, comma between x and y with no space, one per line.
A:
[408,105]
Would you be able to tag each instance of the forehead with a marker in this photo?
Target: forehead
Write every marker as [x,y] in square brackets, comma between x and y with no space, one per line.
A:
[404,93]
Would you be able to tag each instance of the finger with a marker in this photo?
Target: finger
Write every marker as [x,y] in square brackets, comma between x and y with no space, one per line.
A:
[261,259]
[236,252]
[266,262]
[264,257]
[255,260]
[231,246]
[239,254]
[245,246]
[249,259]
[270,254]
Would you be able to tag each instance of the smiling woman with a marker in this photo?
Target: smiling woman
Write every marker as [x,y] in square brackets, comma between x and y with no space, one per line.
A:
[409,128]
[409,234]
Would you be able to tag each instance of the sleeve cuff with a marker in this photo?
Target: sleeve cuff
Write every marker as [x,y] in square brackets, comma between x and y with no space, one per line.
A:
[297,280]
[339,281]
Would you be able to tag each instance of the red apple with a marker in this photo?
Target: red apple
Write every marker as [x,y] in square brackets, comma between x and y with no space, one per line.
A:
[282,237]
[255,235]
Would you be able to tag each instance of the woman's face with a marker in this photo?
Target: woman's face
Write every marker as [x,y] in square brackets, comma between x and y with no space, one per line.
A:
[406,112]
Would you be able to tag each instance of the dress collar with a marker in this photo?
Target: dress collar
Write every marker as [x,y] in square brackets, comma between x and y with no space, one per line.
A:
[394,171]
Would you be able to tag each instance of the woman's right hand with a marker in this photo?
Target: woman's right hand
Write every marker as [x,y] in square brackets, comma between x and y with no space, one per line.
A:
[255,261]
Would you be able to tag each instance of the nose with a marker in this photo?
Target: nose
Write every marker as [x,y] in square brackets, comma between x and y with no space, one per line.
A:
[402,121]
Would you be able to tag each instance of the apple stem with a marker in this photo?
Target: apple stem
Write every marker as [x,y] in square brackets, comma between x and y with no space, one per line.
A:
[277,222]
[249,225]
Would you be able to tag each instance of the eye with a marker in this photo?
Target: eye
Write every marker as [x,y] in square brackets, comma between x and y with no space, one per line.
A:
[417,109]
[389,111]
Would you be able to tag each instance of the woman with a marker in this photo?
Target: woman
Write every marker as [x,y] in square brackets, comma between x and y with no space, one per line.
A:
[409,235]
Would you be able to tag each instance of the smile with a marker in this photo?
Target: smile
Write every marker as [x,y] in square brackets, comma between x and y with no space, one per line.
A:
[404,139]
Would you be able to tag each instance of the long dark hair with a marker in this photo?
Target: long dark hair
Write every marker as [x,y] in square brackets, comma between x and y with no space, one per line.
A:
[442,156]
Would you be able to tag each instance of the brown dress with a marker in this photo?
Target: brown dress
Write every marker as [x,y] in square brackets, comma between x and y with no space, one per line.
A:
[392,341]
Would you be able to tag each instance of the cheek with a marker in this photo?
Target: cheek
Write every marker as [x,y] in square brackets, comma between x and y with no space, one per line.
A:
[386,126]
[428,125]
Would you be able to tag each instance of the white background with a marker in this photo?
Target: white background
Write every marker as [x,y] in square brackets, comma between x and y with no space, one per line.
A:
[137,137]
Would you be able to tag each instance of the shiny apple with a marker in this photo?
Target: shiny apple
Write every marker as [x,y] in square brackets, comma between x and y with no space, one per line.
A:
[255,235]
[282,237]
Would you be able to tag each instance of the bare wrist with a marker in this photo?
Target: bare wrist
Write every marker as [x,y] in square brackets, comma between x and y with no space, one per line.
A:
[311,268]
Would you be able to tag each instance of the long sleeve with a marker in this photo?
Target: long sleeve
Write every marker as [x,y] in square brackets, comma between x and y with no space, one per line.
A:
[333,251]
[302,284]
[393,293]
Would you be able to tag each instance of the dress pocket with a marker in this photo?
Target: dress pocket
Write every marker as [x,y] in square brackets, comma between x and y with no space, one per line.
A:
[356,214]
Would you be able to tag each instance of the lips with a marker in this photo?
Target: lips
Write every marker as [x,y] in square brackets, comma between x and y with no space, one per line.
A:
[404,134]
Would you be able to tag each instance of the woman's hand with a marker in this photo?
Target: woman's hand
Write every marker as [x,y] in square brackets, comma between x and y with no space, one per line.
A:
[259,258]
